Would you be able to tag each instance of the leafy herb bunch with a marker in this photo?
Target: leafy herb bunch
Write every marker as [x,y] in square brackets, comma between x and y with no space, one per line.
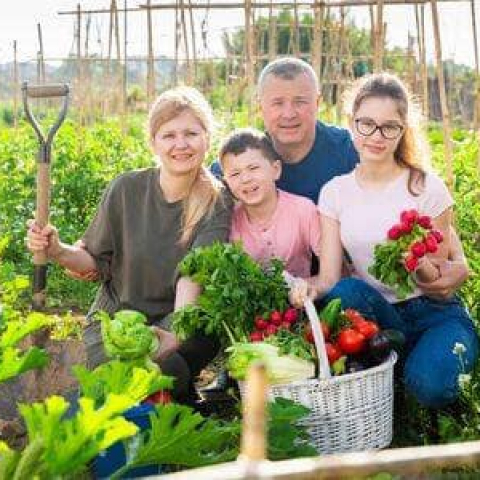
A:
[407,242]
[235,290]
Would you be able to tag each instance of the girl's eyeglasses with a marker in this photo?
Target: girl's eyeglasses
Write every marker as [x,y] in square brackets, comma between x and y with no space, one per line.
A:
[367,127]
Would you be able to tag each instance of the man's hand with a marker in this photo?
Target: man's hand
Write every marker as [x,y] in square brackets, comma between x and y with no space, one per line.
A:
[168,344]
[453,274]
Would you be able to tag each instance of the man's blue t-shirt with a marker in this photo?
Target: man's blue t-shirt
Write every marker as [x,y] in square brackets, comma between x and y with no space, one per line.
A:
[332,154]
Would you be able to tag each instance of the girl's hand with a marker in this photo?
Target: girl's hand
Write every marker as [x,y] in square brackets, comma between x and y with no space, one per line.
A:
[43,240]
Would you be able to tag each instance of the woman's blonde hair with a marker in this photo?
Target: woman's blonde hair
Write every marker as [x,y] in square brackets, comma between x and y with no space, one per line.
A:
[205,190]
[412,150]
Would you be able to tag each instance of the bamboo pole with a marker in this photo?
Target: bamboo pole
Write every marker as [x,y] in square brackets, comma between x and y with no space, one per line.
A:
[272,38]
[422,57]
[296,30]
[340,71]
[447,133]
[254,444]
[476,114]
[150,63]
[41,63]
[317,47]
[185,43]
[194,43]
[16,85]
[407,462]
[378,52]
[249,70]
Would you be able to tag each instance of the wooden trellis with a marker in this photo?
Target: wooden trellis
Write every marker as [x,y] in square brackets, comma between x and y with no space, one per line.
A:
[332,63]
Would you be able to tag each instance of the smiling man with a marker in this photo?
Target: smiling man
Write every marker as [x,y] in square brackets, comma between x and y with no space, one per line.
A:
[312,152]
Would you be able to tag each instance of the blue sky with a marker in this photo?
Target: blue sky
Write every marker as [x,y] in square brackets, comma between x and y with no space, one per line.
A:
[19,18]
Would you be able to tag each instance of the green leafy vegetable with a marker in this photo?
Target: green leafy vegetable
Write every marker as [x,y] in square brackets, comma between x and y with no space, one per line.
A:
[179,436]
[235,291]
[287,436]
[128,337]
[119,378]
[280,368]
[58,446]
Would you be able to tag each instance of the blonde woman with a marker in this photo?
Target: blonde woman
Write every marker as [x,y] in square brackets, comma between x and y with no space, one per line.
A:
[145,224]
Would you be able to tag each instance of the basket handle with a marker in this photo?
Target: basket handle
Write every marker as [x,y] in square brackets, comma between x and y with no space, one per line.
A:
[324,368]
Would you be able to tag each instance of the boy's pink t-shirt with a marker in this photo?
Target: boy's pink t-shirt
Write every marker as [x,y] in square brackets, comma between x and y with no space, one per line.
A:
[365,216]
[291,235]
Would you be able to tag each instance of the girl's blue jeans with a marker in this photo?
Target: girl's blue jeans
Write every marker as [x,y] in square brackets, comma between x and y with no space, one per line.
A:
[432,329]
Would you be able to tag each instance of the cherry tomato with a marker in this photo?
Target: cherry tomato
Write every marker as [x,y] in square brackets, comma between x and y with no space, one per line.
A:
[162,396]
[276,317]
[351,341]
[333,352]
[325,330]
[366,328]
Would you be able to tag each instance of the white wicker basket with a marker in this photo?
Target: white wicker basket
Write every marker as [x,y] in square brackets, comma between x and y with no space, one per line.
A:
[352,412]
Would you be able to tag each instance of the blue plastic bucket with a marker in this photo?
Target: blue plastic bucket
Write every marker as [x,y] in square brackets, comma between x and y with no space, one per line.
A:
[114,458]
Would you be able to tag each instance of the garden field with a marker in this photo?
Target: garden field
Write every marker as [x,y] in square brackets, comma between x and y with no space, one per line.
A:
[86,158]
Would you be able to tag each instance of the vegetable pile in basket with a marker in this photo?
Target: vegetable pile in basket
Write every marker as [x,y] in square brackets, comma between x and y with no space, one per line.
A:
[284,342]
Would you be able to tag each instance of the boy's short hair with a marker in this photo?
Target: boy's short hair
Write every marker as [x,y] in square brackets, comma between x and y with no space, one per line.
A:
[248,138]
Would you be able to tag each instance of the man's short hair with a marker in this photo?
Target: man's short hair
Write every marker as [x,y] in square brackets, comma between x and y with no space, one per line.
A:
[245,139]
[287,68]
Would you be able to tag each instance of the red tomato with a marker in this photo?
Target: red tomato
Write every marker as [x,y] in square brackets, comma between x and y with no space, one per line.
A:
[162,396]
[276,317]
[308,334]
[256,336]
[290,315]
[260,323]
[325,330]
[366,328]
[350,341]
[353,315]
[333,352]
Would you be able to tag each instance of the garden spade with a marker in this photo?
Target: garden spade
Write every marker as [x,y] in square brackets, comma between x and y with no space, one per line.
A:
[43,173]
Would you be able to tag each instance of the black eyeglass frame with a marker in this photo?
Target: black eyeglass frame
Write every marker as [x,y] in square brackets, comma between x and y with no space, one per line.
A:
[380,128]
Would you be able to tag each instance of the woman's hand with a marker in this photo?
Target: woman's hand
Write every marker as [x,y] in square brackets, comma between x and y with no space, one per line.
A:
[299,291]
[452,275]
[44,239]
[168,344]
[88,276]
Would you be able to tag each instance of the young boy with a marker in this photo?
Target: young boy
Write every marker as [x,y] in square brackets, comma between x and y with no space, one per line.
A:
[269,222]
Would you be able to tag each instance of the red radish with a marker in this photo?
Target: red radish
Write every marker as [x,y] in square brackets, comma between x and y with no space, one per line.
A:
[395,232]
[418,249]
[271,330]
[290,315]
[406,227]
[256,336]
[431,243]
[409,216]
[285,325]
[425,221]
[276,317]
[261,323]
[411,263]
[438,235]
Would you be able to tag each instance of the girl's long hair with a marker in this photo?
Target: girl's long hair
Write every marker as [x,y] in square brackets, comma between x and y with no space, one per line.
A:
[412,151]
[205,189]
